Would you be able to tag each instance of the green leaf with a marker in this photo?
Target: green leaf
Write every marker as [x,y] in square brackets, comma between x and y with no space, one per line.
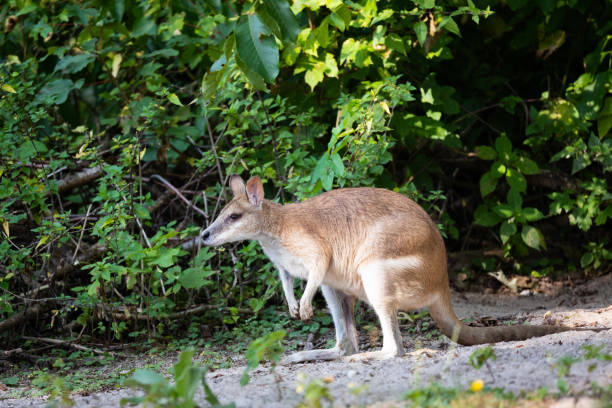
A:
[509,103]
[56,91]
[503,145]
[256,47]
[586,259]
[210,83]
[516,180]
[165,257]
[396,43]
[503,210]
[315,74]
[532,237]
[426,4]
[73,63]
[284,17]
[195,278]
[515,200]
[254,78]
[486,153]
[337,165]
[527,166]
[507,230]
[340,17]
[327,180]
[117,8]
[144,26]
[268,346]
[488,182]
[532,214]
[580,162]
[187,376]
[484,217]
[174,99]
[604,118]
[8,88]
[449,25]
[420,28]
[10,381]
[143,377]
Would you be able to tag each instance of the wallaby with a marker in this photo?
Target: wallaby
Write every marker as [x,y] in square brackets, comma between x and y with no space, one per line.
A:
[367,243]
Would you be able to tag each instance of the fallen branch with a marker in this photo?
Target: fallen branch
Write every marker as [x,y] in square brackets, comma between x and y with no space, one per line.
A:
[19,355]
[91,253]
[80,178]
[26,314]
[68,343]
[122,313]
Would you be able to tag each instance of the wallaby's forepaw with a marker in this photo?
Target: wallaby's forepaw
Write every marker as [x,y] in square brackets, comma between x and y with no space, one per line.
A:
[294,310]
[306,312]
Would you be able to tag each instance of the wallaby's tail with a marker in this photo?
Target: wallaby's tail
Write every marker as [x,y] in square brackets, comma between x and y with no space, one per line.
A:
[444,316]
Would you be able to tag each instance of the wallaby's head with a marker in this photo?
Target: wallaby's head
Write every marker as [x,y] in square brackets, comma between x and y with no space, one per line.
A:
[242,217]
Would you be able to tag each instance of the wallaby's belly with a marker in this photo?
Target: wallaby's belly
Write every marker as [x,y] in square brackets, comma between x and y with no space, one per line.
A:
[285,260]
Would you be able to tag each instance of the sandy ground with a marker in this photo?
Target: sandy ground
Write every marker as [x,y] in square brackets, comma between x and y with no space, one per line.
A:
[520,366]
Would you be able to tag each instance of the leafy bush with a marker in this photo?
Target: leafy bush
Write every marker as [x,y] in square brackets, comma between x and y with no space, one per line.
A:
[121,121]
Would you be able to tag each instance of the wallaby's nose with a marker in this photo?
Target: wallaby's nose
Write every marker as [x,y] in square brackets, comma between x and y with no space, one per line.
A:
[205,235]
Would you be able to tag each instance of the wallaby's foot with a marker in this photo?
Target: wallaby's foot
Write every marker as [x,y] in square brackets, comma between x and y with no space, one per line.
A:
[294,310]
[372,355]
[312,355]
[306,312]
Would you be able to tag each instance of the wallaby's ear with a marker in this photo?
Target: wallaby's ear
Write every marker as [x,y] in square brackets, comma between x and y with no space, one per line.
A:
[237,185]
[255,191]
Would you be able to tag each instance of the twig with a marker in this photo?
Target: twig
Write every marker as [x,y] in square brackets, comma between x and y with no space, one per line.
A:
[178,193]
[76,250]
[279,172]
[213,147]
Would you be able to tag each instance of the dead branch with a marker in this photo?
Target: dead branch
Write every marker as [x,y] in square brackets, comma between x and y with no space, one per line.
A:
[80,178]
[26,314]
[19,355]
[122,313]
[68,343]
[87,255]
[498,253]
[179,194]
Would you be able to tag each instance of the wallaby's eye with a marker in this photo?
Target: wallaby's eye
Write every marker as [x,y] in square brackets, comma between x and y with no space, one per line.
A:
[235,216]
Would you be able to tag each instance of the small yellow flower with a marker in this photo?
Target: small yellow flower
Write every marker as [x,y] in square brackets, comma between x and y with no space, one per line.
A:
[477,385]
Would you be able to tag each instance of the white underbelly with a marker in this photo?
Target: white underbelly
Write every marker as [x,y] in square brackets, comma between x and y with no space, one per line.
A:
[287,261]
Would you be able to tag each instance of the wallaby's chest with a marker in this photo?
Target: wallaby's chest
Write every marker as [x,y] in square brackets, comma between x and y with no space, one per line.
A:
[285,259]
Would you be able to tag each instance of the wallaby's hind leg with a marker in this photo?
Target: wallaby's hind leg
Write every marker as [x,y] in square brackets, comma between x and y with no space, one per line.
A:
[373,277]
[341,307]
[392,338]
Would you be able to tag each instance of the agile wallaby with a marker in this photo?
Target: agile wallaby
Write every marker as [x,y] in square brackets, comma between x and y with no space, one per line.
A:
[368,243]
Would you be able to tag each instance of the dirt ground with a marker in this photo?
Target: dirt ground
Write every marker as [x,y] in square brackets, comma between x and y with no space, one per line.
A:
[521,366]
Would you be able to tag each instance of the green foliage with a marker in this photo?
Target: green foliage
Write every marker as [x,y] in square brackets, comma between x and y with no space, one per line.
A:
[159,392]
[120,122]
[481,356]
[432,396]
[314,390]
[591,354]
[267,347]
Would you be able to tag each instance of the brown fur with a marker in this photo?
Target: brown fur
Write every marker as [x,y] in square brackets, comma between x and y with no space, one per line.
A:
[367,243]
